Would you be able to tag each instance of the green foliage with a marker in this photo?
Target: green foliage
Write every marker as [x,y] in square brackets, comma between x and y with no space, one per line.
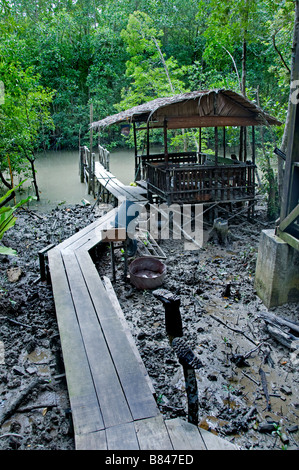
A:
[151,74]
[119,53]
[7,219]
[105,52]
[25,116]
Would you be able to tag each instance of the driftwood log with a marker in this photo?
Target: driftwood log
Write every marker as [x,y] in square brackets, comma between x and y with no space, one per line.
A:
[281,321]
[283,330]
[265,387]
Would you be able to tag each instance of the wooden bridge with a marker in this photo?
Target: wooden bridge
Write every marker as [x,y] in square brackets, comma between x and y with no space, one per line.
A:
[102,183]
[110,186]
[111,396]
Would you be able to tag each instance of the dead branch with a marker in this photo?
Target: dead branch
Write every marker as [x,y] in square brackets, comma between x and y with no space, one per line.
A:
[252,350]
[240,359]
[280,54]
[15,322]
[19,399]
[236,330]
[280,321]
[265,387]
[25,409]
[250,378]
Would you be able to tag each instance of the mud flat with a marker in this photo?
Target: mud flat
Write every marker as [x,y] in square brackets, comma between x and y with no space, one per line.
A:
[248,385]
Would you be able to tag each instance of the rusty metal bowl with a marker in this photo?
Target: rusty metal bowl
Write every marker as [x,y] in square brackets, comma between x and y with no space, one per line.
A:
[147,272]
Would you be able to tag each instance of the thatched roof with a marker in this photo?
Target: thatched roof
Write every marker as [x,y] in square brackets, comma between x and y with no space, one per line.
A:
[210,108]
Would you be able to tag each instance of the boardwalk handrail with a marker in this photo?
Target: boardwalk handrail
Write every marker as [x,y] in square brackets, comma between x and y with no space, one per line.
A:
[195,183]
[104,157]
[87,168]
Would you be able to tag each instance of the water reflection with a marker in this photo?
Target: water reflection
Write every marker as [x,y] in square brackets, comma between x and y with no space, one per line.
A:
[122,164]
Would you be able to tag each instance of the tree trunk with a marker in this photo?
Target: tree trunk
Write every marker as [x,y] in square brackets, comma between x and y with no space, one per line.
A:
[6,183]
[244,67]
[31,160]
[269,175]
[284,142]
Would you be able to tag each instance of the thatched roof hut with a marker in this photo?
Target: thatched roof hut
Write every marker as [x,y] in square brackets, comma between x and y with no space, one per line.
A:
[193,176]
[209,108]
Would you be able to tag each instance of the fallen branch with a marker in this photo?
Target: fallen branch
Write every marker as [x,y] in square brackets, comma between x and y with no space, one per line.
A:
[15,322]
[240,359]
[280,321]
[33,214]
[236,330]
[250,413]
[19,399]
[282,329]
[284,338]
[25,409]
[265,388]
[251,378]
[253,350]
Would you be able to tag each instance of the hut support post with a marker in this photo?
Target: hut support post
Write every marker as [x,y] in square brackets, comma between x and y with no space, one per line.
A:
[199,147]
[165,142]
[89,171]
[166,162]
[253,145]
[216,146]
[241,149]
[137,169]
[93,157]
[252,206]
[90,158]
[147,138]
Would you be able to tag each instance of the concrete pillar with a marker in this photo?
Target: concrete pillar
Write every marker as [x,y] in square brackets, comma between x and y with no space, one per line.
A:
[277,271]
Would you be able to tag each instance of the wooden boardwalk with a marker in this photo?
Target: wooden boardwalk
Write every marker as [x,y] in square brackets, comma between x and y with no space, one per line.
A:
[111,186]
[111,395]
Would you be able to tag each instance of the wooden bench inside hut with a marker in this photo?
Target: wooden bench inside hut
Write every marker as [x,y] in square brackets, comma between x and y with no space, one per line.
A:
[195,176]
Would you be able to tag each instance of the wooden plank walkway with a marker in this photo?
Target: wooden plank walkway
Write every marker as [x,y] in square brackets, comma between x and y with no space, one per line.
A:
[111,395]
[111,185]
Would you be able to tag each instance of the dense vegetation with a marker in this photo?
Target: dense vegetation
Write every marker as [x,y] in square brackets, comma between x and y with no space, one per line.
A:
[58,57]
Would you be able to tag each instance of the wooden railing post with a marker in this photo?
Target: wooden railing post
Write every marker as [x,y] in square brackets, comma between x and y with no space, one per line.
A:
[93,182]
[81,164]
[89,170]
[104,157]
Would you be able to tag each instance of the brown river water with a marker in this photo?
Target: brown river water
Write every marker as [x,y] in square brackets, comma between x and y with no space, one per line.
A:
[59,182]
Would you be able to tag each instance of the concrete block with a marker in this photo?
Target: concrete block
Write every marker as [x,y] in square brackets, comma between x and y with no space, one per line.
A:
[277,271]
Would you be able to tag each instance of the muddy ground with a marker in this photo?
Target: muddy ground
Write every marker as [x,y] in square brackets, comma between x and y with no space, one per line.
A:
[220,324]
